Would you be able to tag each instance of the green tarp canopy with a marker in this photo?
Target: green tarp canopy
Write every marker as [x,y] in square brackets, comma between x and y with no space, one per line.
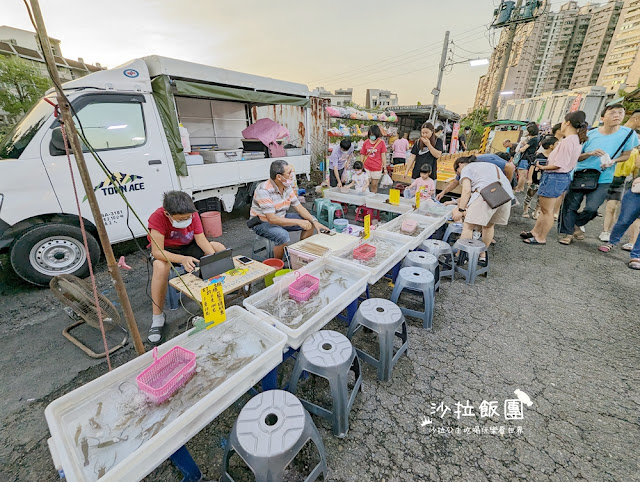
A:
[164,90]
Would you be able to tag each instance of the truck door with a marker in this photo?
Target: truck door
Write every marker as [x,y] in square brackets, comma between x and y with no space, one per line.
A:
[125,131]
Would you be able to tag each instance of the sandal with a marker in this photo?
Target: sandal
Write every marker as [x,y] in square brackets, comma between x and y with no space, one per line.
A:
[605,248]
[627,247]
[579,235]
[526,234]
[533,241]
[634,263]
[566,240]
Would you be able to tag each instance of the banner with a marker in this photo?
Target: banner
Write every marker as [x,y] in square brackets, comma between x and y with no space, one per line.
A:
[453,148]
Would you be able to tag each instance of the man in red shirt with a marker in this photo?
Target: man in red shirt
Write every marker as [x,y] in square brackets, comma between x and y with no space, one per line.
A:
[176,236]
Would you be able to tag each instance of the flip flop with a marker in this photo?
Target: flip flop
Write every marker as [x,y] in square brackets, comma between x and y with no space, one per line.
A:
[566,240]
[526,234]
[605,248]
[532,241]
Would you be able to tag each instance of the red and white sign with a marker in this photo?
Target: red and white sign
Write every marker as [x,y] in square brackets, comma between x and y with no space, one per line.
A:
[453,148]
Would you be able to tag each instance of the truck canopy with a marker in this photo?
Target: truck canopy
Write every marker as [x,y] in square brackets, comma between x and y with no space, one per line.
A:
[166,78]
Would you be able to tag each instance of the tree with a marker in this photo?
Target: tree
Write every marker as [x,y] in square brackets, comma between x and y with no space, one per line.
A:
[21,85]
[475,119]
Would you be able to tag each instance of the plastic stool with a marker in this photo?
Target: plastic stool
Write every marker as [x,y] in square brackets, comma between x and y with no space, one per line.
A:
[428,261]
[330,355]
[471,249]
[444,252]
[420,280]
[452,228]
[383,317]
[267,247]
[172,298]
[318,203]
[362,211]
[269,432]
[332,210]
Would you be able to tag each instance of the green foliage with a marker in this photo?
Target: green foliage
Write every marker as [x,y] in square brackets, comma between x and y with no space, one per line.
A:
[629,105]
[21,85]
[475,119]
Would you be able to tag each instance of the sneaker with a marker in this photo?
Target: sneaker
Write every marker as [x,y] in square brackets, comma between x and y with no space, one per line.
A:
[604,236]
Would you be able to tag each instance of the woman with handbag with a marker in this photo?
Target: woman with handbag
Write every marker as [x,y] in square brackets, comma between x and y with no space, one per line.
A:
[605,146]
[556,175]
[373,150]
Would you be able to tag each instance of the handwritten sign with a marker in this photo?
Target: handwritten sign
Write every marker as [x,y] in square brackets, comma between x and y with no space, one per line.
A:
[394,196]
[418,195]
[213,304]
[367,226]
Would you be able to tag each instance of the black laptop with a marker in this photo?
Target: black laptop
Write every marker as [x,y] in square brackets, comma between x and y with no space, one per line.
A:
[214,264]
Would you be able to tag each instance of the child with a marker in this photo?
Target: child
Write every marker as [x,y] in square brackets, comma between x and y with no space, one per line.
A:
[360,178]
[548,144]
[339,161]
[423,183]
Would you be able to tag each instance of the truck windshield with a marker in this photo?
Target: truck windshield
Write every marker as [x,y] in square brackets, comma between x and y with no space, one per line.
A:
[16,141]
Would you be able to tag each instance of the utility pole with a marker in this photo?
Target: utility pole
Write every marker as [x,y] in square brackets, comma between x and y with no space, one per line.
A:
[69,126]
[436,91]
[503,63]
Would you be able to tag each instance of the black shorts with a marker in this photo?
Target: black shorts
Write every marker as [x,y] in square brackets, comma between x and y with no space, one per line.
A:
[616,189]
[192,249]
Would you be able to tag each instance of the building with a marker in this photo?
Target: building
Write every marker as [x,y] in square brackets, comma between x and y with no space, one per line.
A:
[340,97]
[23,44]
[596,44]
[379,98]
[621,68]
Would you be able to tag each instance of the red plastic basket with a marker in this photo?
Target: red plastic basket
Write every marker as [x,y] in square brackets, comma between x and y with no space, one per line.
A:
[167,373]
[364,252]
[303,288]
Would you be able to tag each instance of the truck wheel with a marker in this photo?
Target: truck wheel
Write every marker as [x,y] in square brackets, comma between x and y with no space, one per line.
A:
[48,250]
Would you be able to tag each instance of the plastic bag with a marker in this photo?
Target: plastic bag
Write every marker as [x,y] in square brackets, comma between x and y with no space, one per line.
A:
[605,161]
[386,181]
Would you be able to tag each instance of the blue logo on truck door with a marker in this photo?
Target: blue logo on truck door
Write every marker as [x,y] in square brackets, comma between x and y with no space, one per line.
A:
[119,180]
[131,73]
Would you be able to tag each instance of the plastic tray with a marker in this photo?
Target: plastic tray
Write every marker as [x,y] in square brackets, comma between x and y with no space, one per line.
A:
[350,197]
[435,209]
[377,201]
[154,432]
[427,225]
[384,259]
[339,294]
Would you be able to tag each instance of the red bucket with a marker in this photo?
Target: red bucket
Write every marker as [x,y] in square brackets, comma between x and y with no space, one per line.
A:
[212,224]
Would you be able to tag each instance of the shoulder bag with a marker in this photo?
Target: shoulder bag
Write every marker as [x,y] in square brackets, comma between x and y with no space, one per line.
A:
[586,180]
[494,194]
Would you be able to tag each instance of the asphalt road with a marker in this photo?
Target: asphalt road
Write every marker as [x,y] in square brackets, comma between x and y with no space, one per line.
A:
[558,323]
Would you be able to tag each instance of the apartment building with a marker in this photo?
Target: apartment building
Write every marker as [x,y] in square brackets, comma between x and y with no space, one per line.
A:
[621,68]
[380,98]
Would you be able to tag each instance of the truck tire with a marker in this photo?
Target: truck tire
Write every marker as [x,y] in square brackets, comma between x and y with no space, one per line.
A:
[48,250]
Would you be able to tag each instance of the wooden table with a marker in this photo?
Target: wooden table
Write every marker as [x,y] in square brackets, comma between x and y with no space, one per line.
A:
[233,280]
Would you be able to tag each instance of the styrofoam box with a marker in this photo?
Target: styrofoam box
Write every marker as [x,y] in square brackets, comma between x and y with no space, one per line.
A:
[294,151]
[427,225]
[222,156]
[402,245]
[110,401]
[356,283]
[350,197]
[377,201]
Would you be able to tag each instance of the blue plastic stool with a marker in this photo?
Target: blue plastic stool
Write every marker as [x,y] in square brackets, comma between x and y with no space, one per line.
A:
[332,210]
[422,281]
[428,261]
[470,249]
[452,228]
[318,203]
[444,253]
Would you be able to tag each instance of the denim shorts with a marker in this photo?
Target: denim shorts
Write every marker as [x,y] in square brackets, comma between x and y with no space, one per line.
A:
[553,185]
[523,164]
[277,234]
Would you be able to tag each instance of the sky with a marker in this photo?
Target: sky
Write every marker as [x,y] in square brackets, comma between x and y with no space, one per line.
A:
[332,43]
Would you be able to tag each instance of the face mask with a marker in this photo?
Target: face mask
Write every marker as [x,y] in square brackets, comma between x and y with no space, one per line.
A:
[181,224]
[372,138]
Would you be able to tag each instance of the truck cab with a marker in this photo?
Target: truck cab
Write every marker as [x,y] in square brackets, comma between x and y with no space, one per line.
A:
[130,116]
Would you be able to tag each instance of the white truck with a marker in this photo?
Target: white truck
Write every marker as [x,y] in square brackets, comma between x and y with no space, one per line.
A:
[130,116]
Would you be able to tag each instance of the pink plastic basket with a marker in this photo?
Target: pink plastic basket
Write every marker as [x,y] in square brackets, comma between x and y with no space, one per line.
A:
[303,288]
[409,226]
[364,252]
[167,373]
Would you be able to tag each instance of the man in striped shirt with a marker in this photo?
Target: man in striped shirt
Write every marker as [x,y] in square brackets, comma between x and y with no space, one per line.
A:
[271,201]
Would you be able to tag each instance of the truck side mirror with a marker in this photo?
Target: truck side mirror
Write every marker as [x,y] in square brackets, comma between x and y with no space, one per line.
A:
[56,147]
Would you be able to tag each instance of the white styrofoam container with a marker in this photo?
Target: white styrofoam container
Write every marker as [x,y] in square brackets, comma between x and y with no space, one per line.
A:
[294,151]
[402,245]
[326,313]
[194,159]
[222,156]
[63,414]
[377,201]
[351,197]
[427,225]
[248,155]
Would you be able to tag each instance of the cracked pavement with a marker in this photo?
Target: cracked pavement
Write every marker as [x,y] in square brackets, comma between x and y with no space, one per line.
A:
[559,323]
